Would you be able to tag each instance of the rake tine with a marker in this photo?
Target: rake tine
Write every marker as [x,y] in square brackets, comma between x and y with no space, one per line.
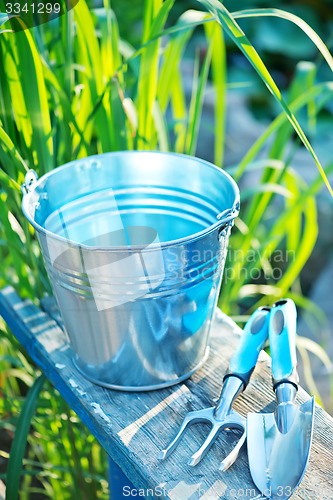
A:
[230,459]
[197,456]
[172,445]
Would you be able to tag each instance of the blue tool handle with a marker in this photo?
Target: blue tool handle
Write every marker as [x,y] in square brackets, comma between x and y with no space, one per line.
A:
[282,340]
[254,336]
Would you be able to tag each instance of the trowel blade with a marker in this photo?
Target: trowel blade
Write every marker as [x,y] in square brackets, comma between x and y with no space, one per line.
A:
[278,461]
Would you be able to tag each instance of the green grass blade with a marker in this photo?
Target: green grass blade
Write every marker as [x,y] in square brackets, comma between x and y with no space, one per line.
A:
[15,103]
[73,132]
[131,59]
[197,99]
[267,187]
[147,89]
[111,58]
[89,56]
[237,35]
[305,247]
[309,380]
[68,39]
[8,181]
[316,349]
[8,143]
[156,16]
[151,8]
[161,128]
[303,80]
[20,439]
[179,110]
[257,165]
[34,95]
[219,79]
[172,57]
[130,56]
[5,110]
[294,19]
[110,54]
[170,87]
[14,243]
[301,201]
[322,89]
[294,224]
[271,240]
[310,307]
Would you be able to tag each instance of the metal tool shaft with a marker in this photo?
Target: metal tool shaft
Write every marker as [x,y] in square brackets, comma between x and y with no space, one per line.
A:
[231,389]
[286,410]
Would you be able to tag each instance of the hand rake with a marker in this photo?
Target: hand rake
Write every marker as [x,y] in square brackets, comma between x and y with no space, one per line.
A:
[222,416]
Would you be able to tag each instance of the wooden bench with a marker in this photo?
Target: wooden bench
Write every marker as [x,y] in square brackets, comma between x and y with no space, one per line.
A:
[134,427]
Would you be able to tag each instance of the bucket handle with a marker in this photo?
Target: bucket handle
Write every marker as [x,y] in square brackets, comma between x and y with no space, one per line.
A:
[228,215]
[227,220]
[30,179]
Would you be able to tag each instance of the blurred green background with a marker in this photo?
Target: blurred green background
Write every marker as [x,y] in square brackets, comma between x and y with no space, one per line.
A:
[103,78]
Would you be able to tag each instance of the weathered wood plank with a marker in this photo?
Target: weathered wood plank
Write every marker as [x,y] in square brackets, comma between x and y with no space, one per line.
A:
[133,427]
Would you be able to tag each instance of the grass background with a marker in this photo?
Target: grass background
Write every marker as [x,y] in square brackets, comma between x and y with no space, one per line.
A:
[77,86]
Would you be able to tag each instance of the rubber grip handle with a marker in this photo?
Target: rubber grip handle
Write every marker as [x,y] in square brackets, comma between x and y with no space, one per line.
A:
[282,340]
[253,339]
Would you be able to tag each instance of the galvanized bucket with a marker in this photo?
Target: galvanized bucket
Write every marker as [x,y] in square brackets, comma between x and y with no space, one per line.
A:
[134,244]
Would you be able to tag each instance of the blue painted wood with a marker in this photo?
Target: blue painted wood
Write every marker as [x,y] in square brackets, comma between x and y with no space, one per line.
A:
[119,484]
[133,427]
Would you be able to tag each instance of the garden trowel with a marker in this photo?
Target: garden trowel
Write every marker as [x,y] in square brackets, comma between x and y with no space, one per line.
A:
[279,443]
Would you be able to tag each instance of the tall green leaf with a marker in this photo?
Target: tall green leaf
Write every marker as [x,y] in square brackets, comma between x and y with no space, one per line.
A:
[28,91]
[219,80]
[20,439]
[282,14]
[238,36]
[156,13]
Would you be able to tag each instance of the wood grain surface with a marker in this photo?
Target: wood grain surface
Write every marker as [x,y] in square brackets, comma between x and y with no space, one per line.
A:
[134,427]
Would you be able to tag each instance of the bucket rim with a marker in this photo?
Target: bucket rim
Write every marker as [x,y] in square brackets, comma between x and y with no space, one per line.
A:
[226,217]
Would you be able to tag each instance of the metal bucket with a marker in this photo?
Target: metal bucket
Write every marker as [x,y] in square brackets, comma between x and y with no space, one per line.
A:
[134,244]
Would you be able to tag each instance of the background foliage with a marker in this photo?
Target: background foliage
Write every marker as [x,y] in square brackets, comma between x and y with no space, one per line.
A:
[84,84]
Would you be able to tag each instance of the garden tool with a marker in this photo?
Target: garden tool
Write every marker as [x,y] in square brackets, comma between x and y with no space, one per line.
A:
[279,443]
[222,416]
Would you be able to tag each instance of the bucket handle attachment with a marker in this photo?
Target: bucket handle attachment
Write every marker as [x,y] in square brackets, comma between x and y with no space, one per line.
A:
[227,219]
[228,215]
[30,179]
